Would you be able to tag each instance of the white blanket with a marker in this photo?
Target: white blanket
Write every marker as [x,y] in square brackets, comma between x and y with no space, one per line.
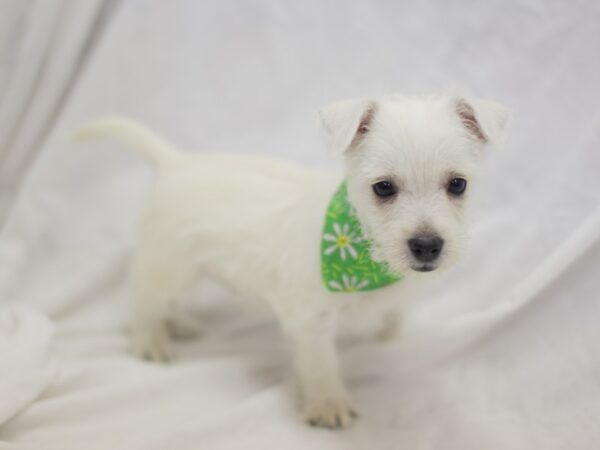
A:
[500,354]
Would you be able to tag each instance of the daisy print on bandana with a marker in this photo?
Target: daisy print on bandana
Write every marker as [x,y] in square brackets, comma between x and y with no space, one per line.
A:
[349,284]
[342,241]
[346,264]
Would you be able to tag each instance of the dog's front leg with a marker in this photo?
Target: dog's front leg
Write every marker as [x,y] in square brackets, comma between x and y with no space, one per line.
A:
[325,402]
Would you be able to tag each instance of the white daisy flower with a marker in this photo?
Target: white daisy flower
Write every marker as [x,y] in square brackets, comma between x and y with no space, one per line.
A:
[349,284]
[342,241]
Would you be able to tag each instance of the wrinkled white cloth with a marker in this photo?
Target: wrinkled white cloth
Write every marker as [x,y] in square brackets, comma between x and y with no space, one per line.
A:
[501,352]
[26,362]
[42,48]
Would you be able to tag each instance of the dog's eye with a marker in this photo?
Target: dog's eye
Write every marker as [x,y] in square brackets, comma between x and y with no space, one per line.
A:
[384,189]
[457,186]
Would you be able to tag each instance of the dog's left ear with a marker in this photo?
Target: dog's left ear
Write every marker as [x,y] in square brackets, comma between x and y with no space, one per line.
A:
[486,121]
[345,123]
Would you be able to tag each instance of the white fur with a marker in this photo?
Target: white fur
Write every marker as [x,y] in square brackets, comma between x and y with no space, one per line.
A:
[255,224]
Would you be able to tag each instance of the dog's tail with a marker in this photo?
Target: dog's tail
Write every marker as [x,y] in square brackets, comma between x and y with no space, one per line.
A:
[134,135]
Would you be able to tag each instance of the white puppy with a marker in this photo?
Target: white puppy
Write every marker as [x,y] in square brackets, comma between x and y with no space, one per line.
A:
[257,224]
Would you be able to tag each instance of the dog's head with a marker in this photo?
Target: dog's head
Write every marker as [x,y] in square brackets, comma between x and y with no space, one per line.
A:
[410,167]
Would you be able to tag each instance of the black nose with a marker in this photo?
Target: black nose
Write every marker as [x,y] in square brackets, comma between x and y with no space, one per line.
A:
[426,248]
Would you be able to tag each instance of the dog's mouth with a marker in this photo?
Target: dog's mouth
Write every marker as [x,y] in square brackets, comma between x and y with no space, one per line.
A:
[424,268]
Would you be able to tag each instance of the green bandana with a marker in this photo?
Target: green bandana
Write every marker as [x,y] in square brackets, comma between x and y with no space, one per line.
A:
[346,264]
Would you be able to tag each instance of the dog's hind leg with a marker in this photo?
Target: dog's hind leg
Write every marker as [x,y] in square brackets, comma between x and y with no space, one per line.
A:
[155,285]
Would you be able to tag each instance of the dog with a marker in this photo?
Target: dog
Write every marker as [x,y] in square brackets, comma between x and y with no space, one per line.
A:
[256,224]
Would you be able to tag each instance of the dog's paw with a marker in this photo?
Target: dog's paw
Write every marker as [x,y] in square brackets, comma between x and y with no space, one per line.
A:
[329,413]
[183,327]
[151,342]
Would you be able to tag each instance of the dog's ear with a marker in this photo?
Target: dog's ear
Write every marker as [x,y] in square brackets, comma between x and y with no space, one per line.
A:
[345,123]
[487,121]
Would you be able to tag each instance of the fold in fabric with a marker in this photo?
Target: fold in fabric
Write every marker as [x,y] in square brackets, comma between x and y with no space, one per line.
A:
[26,365]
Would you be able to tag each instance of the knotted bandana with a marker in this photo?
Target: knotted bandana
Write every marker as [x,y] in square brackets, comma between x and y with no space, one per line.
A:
[346,264]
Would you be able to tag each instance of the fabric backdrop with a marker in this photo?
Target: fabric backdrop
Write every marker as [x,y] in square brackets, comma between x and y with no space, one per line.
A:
[500,353]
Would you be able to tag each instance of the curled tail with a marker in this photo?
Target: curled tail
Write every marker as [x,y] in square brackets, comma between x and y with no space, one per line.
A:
[134,135]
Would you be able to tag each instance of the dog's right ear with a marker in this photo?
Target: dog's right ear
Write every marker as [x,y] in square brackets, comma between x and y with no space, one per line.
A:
[345,123]
[486,120]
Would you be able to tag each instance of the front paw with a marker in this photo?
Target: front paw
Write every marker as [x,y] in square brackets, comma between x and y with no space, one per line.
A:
[329,413]
[151,341]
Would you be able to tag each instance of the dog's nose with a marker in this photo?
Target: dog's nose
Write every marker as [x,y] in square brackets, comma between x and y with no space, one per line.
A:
[426,248]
